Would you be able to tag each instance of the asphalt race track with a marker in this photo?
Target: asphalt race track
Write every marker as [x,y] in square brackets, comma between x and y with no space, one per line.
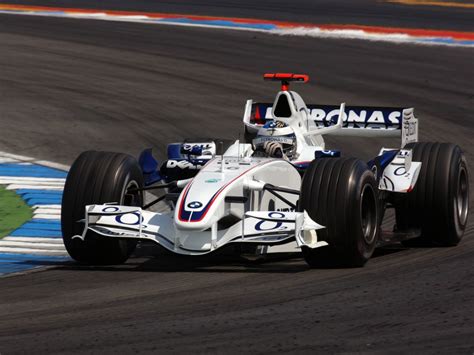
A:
[70,85]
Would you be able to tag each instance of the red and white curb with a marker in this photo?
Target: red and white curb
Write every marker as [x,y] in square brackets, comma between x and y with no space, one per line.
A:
[334,31]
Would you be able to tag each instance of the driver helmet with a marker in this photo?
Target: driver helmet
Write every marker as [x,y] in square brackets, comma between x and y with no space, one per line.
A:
[279,132]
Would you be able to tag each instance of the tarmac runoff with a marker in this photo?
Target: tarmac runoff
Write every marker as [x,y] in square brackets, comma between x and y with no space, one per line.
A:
[38,241]
[335,31]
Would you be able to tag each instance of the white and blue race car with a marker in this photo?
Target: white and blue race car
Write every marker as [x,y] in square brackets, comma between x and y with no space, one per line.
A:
[282,190]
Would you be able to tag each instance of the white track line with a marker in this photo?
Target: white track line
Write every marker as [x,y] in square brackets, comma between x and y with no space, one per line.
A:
[47,216]
[51,207]
[56,187]
[20,244]
[7,160]
[47,211]
[32,251]
[52,165]
[34,240]
[23,158]
[43,210]
[4,180]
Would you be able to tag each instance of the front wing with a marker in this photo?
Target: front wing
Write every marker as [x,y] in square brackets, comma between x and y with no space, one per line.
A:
[258,227]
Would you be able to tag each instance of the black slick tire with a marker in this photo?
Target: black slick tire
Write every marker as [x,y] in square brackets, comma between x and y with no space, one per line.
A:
[342,195]
[438,206]
[97,178]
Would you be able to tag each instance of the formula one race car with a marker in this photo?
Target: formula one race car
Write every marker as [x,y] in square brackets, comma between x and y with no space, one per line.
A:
[280,191]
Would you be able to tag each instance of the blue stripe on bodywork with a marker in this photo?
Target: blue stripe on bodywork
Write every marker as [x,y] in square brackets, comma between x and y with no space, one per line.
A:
[387,157]
[196,215]
[174,151]
[382,161]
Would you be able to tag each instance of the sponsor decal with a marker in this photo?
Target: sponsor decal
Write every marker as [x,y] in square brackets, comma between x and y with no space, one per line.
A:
[409,131]
[212,181]
[196,148]
[190,146]
[183,164]
[194,205]
[110,209]
[357,117]
[284,140]
[267,225]
[129,219]
[354,116]
[404,153]
[401,172]
[270,225]
[286,209]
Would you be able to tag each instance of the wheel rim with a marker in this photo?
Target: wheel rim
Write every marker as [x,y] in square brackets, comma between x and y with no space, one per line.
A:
[462,197]
[368,214]
[130,197]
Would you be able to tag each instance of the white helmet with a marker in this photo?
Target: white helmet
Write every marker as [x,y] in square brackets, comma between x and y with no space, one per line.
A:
[276,136]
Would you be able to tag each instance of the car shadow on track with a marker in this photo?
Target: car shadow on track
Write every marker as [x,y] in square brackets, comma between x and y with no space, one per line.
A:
[156,260]
[210,264]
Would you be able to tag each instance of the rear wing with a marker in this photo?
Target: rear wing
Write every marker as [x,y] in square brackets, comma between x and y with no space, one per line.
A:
[361,121]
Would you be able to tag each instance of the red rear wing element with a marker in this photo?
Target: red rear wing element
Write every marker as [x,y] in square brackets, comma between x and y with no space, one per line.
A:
[285,78]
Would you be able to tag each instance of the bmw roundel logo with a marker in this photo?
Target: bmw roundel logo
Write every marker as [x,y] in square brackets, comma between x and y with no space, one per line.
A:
[194,204]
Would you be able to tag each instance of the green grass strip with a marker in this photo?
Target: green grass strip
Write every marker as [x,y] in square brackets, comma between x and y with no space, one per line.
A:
[13,211]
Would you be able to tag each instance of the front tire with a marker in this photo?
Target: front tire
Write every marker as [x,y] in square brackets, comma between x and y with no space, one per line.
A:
[342,195]
[97,178]
[438,206]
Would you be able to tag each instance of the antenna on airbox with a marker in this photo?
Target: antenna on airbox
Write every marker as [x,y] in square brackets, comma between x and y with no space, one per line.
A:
[221,149]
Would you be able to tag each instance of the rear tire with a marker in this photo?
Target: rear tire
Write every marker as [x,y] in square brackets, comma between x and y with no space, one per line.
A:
[439,203]
[342,195]
[97,178]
